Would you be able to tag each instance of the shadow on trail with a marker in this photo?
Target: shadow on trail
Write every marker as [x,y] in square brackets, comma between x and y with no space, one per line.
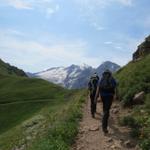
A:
[117,134]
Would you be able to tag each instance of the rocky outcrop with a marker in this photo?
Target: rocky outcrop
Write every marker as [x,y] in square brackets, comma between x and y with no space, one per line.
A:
[143,49]
[139,98]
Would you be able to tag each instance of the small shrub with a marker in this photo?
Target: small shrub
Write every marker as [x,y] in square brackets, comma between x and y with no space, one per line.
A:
[135,132]
[52,144]
[145,144]
[129,121]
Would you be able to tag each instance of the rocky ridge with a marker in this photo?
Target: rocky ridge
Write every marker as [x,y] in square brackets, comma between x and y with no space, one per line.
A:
[143,49]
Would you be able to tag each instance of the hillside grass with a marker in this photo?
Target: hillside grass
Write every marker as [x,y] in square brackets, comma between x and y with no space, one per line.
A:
[139,122]
[64,128]
[16,89]
[7,69]
[134,78]
[31,109]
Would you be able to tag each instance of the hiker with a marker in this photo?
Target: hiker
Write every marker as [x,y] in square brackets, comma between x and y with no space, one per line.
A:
[106,89]
[92,86]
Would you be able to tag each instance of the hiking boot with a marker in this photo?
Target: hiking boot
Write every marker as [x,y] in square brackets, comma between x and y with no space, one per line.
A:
[93,115]
[105,131]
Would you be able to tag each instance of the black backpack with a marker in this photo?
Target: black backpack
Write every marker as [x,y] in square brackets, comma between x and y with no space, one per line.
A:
[106,85]
[93,84]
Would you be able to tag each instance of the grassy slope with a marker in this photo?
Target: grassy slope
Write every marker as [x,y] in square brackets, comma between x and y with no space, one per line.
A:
[64,127]
[31,104]
[133,78]
[7,69]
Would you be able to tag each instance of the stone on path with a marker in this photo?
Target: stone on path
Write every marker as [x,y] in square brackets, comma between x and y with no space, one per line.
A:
[84,129]
[129,144]
[94,128]
[115,147]
[115,110]
[109,140]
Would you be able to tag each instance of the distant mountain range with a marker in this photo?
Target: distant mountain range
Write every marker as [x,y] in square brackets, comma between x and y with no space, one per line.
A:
[74,76]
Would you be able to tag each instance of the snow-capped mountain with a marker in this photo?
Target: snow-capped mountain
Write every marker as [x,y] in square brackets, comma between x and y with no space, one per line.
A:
[107,65]
[56,75]
[74,76]
[78,76]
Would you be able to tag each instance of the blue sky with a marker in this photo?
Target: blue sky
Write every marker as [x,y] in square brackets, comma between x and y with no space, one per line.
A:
[39,34]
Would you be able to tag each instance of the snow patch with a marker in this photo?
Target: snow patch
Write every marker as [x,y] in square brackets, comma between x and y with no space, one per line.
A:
[55,75]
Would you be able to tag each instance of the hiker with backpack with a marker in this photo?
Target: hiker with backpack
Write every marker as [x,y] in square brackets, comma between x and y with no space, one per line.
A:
[92,86]
[106,90]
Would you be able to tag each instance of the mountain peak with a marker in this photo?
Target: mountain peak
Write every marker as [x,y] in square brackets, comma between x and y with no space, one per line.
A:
[84,66]
[81,67]
[113,67]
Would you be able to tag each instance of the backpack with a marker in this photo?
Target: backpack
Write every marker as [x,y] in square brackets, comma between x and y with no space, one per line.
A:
[107,85]
[93,84]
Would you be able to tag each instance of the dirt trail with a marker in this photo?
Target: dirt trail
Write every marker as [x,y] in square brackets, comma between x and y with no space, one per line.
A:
[91,137]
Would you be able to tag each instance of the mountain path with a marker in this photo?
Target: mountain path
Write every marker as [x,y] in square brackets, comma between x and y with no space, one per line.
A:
[91,137]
